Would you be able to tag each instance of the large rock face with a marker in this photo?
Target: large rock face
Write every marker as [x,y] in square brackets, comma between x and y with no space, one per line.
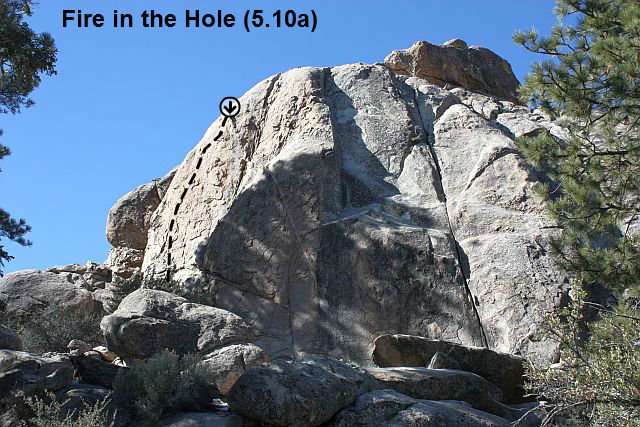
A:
[344,203]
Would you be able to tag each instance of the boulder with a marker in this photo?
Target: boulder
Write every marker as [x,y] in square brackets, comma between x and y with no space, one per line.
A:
[388,408]
[9,340]
[453,63]
[105,354]
[34,373]
[504,370]
[29,294]
[446,384]
[148,321]
[227,364]
[129,219]
[283,393]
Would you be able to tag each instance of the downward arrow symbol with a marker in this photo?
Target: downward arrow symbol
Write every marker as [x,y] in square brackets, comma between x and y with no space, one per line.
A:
[230,108]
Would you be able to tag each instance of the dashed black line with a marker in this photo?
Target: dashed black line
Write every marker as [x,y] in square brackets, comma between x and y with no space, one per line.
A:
[183,195]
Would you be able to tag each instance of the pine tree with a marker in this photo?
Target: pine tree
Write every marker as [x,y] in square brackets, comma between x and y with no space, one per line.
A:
[24,57]
[590,79]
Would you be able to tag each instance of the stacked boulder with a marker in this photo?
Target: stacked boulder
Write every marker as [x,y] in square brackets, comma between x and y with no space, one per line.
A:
[128,223]
[149,321]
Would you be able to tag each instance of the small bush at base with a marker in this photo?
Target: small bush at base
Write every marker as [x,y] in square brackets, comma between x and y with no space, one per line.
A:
[52,332]
[49,413]
[164,383]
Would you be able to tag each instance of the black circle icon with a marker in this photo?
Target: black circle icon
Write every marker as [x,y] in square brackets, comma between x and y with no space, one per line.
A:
[229,106]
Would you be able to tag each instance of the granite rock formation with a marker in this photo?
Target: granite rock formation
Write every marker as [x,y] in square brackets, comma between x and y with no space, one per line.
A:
[348,202]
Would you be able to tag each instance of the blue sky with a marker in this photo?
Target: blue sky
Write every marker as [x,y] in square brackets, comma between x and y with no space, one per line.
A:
[129,103]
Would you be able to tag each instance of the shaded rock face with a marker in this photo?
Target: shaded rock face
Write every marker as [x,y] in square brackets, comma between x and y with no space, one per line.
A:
[344,203]
[9,340]
[34,373]
[148,321]
[454,63]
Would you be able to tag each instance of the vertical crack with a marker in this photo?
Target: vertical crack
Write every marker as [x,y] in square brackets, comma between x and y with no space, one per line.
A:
[434,156]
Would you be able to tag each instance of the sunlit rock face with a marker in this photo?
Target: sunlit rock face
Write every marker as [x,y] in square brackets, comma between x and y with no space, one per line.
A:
[348,202]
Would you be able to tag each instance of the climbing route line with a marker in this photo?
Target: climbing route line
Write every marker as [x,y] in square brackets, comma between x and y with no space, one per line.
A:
[229,107]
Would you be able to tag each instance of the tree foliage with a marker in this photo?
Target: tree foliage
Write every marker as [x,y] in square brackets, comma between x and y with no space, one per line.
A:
[24,57]
[590,77]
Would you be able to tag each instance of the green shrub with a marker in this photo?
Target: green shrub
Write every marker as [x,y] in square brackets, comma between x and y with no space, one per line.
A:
[51,413]
[164,383]
[54,330]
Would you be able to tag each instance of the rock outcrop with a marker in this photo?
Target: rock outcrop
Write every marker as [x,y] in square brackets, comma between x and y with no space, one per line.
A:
[343,209]
[348,202]
[455,64]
